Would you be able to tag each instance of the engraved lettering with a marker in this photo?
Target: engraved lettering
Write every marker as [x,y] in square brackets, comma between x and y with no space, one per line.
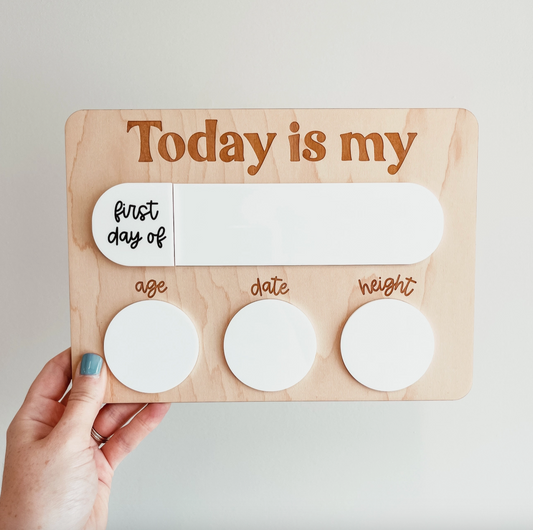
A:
[270,286]
[237,146]
[294,142]
[314,145]
[401,152]
[388,286]
[260,151]
[210,143]
[144,132]
[376,138]
[179,147]
[151,288]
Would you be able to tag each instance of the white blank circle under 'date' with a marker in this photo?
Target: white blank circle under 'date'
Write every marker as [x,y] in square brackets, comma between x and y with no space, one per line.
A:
[387,345]
[151,346]
[270,345]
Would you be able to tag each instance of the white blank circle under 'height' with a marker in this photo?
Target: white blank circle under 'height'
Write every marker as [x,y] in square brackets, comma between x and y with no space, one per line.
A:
[151,346]
[387,345]
[270,345]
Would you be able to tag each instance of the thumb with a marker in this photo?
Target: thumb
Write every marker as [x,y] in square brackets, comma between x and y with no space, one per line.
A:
[86,395]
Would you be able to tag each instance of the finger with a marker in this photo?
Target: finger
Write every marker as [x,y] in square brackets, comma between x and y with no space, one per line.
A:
[113,416]
[129,437]
[64,399]
[53,380]
[41,403]
[86,396]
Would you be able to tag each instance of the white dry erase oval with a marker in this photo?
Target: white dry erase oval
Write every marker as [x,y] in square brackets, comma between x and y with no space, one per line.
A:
[271,224]
[151,346]
[387,345]
[270,345]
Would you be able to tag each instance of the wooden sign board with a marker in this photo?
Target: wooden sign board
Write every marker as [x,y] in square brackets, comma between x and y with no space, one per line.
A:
[433,148]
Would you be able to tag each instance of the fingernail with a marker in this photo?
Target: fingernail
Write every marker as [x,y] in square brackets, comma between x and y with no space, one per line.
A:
[91,364]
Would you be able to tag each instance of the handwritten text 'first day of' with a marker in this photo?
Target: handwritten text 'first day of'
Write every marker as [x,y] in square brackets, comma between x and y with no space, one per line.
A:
[172,147]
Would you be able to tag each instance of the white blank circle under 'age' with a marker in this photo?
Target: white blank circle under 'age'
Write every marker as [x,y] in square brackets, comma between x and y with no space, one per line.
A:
[387,345]
[151,346]
[270,345]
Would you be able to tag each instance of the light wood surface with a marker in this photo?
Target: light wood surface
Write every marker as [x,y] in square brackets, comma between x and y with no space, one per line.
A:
[100,153]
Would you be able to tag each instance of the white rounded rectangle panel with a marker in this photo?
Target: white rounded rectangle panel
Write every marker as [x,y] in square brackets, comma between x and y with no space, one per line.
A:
[305,224]
[133,224]
[267,224]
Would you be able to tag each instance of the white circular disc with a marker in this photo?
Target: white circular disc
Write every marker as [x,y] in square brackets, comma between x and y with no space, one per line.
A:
[151,346]
[270,345]
[387,345]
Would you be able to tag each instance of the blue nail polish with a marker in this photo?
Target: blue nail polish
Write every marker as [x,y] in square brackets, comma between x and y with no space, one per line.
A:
[91,364]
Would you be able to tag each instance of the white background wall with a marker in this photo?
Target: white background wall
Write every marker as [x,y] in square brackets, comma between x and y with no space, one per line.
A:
[461,465]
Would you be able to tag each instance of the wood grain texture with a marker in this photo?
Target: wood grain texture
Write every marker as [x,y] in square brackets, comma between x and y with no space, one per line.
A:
[443,158]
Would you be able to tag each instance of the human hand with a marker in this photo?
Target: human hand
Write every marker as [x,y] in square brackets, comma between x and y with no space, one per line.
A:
[55,475]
